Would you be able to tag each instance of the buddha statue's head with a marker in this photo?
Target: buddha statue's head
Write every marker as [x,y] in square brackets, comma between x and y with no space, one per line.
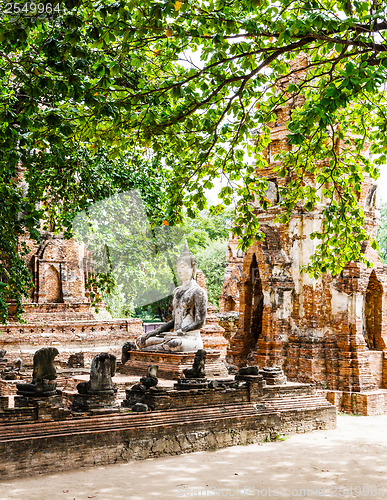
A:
[186,265]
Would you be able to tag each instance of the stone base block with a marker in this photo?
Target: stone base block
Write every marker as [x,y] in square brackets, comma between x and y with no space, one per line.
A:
[360,403]
[8,387]
[171,366]
[90,402]
[45,409]
[273,375]
[54,401]
[4,402]
[191,383]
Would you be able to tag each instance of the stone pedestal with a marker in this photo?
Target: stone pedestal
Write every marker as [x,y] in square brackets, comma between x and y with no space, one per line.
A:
[171,366]
[47,408]
[255,385]
[273,375]
[26,401]
[4,402]
[32,390]
[90,402]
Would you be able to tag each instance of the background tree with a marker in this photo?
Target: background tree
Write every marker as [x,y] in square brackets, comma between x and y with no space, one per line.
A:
[210,250]
[83,188]
[382,233]
[121,75]
[207,227]
[212,261]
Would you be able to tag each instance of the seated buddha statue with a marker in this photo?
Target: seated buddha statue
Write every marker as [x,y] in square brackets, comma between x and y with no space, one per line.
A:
[182,333]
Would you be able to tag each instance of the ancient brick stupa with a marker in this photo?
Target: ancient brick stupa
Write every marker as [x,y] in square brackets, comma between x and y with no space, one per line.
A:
[331,330]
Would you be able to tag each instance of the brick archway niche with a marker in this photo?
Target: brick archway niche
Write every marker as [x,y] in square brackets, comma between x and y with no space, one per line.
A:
[253,306]
[373,314]
[52,286]
[254,310]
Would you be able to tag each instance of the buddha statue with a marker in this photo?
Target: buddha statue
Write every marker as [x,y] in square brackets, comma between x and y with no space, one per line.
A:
[43,376]
[103,368]
[182,333]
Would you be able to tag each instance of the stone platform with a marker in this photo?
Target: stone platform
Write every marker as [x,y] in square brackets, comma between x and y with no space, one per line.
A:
[359,403]
[171,366]
[36,447]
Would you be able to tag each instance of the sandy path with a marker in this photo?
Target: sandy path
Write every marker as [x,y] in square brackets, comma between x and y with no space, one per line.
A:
[352,456]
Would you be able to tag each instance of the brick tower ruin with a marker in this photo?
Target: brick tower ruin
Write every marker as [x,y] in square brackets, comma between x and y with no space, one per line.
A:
[331,330]
[59,269]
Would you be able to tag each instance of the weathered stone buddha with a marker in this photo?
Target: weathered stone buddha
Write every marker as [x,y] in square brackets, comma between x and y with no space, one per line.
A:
[189,314]
[43,376]
[103,368]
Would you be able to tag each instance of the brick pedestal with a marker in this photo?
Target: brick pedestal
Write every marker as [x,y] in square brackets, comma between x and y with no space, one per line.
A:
[90,402]
[171,366]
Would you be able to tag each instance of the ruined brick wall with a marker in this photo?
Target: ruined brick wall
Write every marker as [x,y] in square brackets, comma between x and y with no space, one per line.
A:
[57,266]
[31,456]
[322,330]
[57,437]
[229,298]
[69,337]
[317,330]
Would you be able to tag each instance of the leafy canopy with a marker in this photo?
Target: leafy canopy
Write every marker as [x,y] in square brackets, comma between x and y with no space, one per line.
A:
[192,81]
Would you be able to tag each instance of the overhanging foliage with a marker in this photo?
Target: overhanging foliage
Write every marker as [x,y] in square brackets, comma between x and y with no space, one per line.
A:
[121,75]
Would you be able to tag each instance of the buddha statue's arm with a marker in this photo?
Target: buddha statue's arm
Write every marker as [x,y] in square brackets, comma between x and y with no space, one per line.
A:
[200,312]
[166,327]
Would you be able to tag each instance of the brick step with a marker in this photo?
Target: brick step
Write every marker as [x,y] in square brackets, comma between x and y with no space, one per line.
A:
[295,399]
[283,408]
[301,397]
[124,422]
[33,434]
[8,416]
[282,404]
[166,417]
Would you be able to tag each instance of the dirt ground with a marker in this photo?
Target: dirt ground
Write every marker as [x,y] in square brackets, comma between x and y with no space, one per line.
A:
[348,462]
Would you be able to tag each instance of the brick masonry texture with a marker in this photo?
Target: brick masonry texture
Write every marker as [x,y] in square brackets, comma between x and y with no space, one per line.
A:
[88,336]
[36,447]
[330,331]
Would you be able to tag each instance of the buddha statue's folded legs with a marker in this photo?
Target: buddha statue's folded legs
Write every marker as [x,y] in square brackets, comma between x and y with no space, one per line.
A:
[172,343]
